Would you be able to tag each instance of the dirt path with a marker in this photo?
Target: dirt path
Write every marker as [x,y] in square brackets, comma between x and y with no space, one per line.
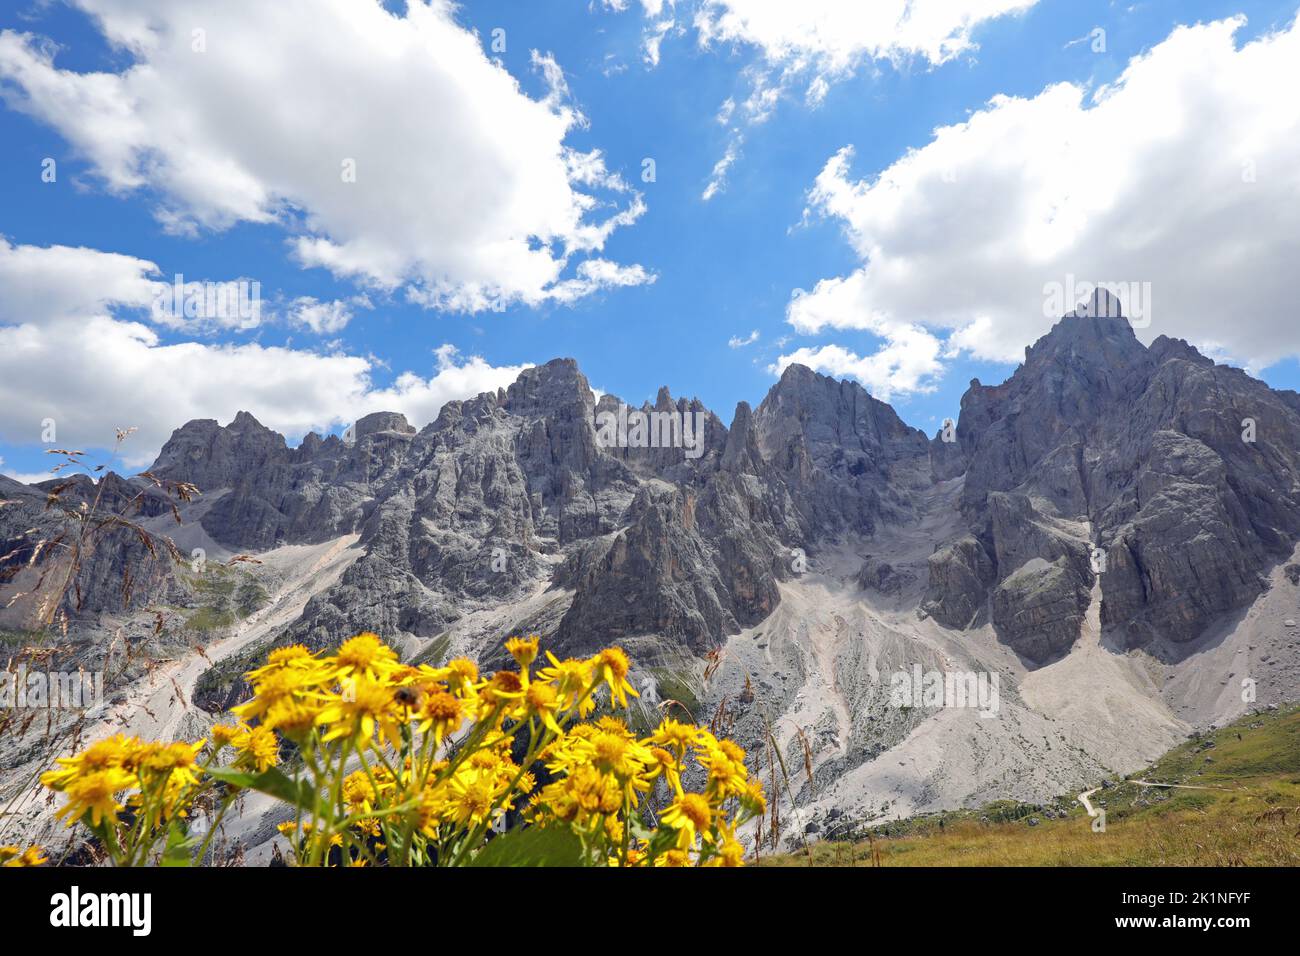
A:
[1083,798]
[1175,786]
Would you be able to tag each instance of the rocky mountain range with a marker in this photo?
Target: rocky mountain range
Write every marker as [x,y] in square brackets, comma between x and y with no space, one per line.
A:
[1111,532]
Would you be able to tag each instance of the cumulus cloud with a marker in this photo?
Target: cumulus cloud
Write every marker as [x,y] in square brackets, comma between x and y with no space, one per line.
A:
[92,369]
[60,283]
[391,149]
[907,363]
[1179,182]
[456,377]
[596,274]
[323,318]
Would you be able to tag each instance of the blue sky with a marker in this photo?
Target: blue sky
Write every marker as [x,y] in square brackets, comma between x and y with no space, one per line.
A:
[710,269]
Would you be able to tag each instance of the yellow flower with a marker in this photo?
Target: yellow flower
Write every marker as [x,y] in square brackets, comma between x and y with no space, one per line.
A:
[96,792]
[365,704]
[365,655]
[432,809]
[610,667]
[665,763]
[258,747]
[470,798]
[573,682]
[462,673]
[753,798]
[358,793]
[523,650]
[503,690]
[281,658]
[725,762]
[674,858]
[364,695]
[675,735]
[223,734]
[612,752]
[293,717]
[32,856]
[585,791]
[689,814]
[541,701]
[440,712]
[118,751]
[730,852]
[276,687]
[175,761]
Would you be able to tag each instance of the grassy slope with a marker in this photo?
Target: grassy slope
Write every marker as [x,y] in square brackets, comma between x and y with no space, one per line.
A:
[1254,768]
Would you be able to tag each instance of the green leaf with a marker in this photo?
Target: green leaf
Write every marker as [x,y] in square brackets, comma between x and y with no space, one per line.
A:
[180,845]
[534,846]
[271,782]
[638,828]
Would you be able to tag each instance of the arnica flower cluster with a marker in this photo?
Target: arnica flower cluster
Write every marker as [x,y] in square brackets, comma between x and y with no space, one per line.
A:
[378,763]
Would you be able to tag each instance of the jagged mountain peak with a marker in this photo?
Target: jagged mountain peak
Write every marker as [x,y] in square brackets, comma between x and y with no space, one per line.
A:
[245,419]
[558,384]
[377,422]
[1183,474]
[1165,348]
[1087,341]
[828,415]
[1102,303]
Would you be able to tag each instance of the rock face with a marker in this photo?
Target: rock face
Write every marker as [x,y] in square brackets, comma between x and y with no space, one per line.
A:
[881,576]
[836,448]
[960,576]
[50,573]
[1039,608]
[1173,478]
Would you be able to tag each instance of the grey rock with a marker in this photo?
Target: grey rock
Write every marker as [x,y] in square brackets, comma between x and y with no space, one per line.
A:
[960,575]
[878,575]
[1039,609]
[1145,443]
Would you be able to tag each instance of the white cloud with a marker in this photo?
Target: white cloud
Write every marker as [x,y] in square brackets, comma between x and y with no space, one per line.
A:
[718,177]
[832,38]
[464,187]
[323,318]
[55,283]
[907,363]
[737,342]
[62,282]
[596,274]
[1185,174]
[420,399]
[812,44]
[92,372]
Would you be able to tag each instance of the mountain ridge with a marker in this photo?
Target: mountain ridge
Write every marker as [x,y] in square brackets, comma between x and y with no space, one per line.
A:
[1102,523]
